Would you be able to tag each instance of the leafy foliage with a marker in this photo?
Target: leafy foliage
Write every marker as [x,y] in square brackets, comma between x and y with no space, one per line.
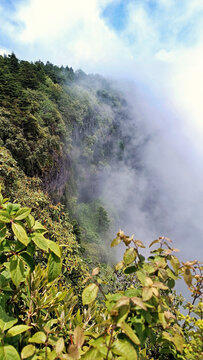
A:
[40,317]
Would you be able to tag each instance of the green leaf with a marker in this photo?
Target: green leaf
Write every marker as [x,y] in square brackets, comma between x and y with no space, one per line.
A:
[79,336]
[147,293]
[119,265]
[123,312]
[154,242]
[38,338]
[138,302]
[89,294]
[20,233]
[28,259]
[40,241]
[124,348]
[124,300]
[129,256]
[4,216]
[28,351]
[8,352]
[162,319]
[18,329]
[22,213]
[60,346]
[188,277]
[178,340]
[6,321]
[16,270]
[130,333]
[115,241]
[54,248]
[39,226]
[3,231]
[30,221]
[171,274]
[141,276]
[175,263]
[93,354]
[54,267]
[130,269]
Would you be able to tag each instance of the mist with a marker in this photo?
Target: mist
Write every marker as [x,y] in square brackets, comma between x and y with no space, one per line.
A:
[157,190]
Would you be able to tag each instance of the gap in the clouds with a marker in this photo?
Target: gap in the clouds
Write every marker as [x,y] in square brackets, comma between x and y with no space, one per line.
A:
[10,5]
[115,14]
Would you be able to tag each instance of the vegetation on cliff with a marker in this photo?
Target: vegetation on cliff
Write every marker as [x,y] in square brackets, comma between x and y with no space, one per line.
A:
[59,298]
[43,317]
[61,129]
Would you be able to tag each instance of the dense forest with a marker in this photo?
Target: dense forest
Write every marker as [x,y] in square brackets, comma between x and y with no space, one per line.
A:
[61,295]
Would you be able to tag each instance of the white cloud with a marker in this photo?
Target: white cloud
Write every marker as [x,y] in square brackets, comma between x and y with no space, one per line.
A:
[187,86]
[152,47]
[70,32]
[4,52]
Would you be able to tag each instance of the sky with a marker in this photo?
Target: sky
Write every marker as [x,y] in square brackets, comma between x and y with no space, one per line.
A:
[158,42]
[157,45]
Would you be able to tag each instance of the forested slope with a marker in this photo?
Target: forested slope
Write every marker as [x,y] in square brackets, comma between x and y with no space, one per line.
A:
[62,128]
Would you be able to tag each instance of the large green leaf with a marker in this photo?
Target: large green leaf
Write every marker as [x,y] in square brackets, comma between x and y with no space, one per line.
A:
[178,340]
[147,293]
[22,213]
[4,216]
[54,248]
[123,312]
[28,259]
[60,346]
[8,352]
[38,338]
[89,294]
[130,269]
[16,270]
[28,351]
[124,348]
[20,233]
[130,333]
[138,302]
[54,267]
[40,241]
[129,256]
[6,321]
[93,354]
[18,329]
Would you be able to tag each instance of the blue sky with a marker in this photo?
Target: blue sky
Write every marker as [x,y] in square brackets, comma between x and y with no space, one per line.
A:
[140,27]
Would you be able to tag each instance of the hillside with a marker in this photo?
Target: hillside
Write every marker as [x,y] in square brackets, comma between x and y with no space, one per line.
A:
[61,129]
[61,134]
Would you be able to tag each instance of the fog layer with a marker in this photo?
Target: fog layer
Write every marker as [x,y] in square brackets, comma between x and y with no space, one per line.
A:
[157,190]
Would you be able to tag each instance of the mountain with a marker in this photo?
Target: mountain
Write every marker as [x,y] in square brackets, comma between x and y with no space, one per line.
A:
[59,131]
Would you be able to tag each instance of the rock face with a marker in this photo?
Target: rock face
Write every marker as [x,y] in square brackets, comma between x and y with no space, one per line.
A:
[54,181]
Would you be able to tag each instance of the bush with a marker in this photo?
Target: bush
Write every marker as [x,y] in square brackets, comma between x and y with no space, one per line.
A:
[41,318]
